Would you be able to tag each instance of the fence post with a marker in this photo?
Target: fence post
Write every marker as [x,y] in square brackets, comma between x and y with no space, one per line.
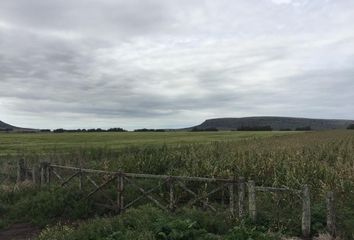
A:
[223,197]
[171,203]
[48,172]
[35,174]
[252,200]
[331,217]
[120,189]
[241,197]
[42,176]
[231,192]
[45,173]
[306,212]
[21,170]
[80,180]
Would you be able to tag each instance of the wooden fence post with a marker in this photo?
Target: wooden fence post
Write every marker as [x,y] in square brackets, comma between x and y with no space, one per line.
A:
[252,200]
[80,180]
[306,212]
[231,193]
[35,175]
[205,197]
[241,197]
[331,217]
[223,197]
[172,200]
[48,172]
[45,173]
[120,190]
[42,176]
[21,170]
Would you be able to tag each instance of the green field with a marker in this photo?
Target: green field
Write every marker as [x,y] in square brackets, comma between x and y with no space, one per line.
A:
[324,160]
[16,143]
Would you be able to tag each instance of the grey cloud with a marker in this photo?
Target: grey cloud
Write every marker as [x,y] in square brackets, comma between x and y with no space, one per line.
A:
[166,63]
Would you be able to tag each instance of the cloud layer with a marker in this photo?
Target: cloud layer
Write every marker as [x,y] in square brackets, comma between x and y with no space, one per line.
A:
[164,63]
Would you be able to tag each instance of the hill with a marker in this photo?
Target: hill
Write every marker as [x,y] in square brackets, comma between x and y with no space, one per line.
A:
[276,123]
[4,127]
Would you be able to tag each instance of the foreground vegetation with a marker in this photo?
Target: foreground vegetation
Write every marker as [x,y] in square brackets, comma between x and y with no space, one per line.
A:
[45,208]
[324,160]
[149,223]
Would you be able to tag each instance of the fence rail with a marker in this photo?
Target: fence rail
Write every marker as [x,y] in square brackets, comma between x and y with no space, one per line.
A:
[237,193]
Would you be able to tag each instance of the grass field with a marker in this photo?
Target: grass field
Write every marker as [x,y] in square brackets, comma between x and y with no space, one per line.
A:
[323,160]
[17,143]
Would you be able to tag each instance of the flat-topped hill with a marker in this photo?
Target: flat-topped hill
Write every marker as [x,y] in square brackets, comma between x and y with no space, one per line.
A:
[276,123]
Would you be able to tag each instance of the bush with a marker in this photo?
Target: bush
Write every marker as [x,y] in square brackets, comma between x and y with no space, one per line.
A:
[45,206]
[143,223]
[248,233]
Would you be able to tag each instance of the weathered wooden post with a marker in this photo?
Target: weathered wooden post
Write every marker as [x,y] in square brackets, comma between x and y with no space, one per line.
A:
[223,197]
[205,197]
[45,173]
[331,216]
[306,212]
[42,172]
[120,190]
[35,176]
[252,200]
[241,197]
[172,200]
[231,193]
[21,170]
[80,179]
[48,172]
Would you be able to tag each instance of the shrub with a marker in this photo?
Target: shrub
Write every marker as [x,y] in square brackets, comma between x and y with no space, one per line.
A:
[247,233]
[46,206]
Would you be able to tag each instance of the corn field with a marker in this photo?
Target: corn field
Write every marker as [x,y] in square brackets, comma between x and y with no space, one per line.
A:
[324,160]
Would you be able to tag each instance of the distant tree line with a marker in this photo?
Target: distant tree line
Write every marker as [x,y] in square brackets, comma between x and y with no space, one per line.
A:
[6,129]
[61,130]
[149,130]
[210,129]
[351,126]
[308,128]
[255,128]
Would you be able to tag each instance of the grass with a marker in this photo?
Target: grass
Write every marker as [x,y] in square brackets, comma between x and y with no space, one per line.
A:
[324,160]
[13,143]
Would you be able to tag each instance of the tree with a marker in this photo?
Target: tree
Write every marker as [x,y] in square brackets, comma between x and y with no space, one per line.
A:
[255,128]
[308,128]
[59,130]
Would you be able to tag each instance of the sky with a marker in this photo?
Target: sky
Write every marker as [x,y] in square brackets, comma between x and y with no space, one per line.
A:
[170,64]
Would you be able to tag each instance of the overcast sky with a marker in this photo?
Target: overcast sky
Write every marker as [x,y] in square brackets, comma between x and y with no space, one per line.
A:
[173,63]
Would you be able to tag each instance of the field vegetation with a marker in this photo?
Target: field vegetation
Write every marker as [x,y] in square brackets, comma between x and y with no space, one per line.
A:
[324,160]
[41,143]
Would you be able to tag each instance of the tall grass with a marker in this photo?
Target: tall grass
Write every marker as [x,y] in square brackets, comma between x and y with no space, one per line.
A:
[324,160]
